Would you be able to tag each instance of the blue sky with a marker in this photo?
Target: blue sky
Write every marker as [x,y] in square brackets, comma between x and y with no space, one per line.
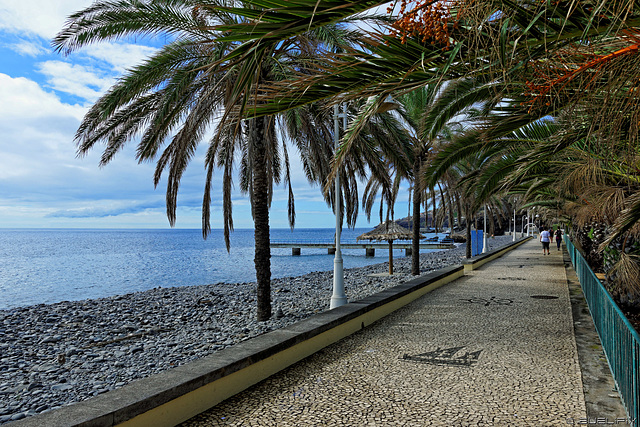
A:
[44,95]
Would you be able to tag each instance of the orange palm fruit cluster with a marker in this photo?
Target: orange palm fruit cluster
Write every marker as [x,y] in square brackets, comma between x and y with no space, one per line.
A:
[426,20]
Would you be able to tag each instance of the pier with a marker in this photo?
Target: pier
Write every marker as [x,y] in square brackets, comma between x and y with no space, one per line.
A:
[370,248]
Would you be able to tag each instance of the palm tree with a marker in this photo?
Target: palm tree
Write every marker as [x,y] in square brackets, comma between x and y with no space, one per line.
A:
[558,166]
[436,112]
[415,104]
[427,114]
[187,88]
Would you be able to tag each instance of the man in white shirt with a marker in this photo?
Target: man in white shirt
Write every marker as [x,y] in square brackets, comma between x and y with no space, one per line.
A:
[545,238]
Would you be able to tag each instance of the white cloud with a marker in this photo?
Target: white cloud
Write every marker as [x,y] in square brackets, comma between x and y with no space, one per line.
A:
[23,99]
[27,48]
[43,18]
[75,79]
[36,146]
[109,208]
[44,184]
[36,128]
[119,56]
[36,22]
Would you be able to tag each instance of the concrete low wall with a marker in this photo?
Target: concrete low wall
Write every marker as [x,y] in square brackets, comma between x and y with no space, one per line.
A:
[479,260]
[175,395]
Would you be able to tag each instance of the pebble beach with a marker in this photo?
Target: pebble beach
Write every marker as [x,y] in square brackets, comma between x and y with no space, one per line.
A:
[53,355]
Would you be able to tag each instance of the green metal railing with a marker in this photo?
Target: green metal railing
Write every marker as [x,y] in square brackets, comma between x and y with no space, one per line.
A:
[620,340]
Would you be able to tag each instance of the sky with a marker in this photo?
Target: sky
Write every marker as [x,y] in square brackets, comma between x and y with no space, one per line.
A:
[44,184]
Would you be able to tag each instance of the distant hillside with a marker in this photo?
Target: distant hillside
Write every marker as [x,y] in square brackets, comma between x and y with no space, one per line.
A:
[407,222]
[425,218]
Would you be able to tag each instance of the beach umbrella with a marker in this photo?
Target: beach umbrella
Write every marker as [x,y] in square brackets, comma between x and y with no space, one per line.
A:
[388,231]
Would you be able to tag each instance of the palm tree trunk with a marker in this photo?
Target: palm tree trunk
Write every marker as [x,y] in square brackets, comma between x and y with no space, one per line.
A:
[443,206]
[260,208]
[415,240]
[433,207]
[492,224]
[450,210]
[390,257]
[459,208]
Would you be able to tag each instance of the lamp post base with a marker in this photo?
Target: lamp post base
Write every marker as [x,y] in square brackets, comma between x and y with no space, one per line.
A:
[337,302]
[338,298]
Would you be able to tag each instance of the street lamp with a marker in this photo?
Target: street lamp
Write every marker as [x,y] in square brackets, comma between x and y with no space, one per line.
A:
[513,235]
[338,298]
[523,221]
[484,231]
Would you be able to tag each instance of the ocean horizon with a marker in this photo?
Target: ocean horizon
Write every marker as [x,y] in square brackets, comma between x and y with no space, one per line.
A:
[49,265]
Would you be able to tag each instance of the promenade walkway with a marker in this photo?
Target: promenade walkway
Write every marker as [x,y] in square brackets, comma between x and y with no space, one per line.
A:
[496,347]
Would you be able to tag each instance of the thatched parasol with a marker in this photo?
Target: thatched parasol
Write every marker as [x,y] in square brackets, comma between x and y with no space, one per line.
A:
[388,231]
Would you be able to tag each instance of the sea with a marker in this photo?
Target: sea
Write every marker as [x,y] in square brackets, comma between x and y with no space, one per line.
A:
[52,265]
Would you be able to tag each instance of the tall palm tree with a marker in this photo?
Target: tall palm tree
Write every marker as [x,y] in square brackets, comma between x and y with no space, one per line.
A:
[428,114]
[415,104]
[436,112]
[187,88]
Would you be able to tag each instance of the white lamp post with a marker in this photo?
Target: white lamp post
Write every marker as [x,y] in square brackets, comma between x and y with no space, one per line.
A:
[338,298]
[484,231]
[513,235]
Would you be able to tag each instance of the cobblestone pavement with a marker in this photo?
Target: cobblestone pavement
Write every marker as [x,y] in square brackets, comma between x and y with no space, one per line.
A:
[495,347]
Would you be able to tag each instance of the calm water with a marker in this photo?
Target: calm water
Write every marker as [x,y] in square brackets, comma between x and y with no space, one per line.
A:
[47,266]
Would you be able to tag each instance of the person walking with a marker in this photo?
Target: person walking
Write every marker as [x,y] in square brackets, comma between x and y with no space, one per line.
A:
[545,238]
[558,237]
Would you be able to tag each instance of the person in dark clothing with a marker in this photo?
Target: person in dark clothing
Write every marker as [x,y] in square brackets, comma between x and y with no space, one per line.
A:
[558,237]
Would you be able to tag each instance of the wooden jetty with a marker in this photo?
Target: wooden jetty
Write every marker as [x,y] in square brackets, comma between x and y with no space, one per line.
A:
[370,248]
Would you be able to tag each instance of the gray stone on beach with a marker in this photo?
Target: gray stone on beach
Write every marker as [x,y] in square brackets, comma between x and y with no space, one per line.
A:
[61,387]
[33,386]
[50,339]
[18,416]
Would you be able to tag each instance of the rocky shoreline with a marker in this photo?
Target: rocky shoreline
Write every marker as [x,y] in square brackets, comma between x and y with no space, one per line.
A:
[53,355]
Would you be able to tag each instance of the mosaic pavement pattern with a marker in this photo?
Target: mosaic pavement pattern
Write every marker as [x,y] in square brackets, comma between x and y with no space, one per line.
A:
[495,347]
